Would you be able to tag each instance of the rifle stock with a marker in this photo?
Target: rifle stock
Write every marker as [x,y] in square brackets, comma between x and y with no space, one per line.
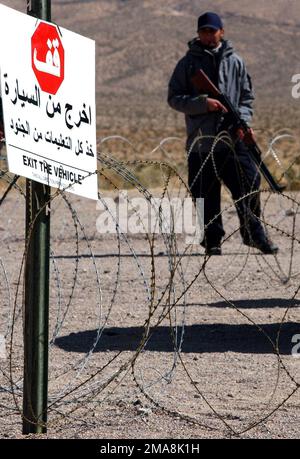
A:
[201,81]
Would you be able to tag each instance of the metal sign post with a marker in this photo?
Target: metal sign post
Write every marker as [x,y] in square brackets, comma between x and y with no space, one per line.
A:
[36,316]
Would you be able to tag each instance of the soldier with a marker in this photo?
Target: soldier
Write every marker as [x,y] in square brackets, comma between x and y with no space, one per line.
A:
[208,165]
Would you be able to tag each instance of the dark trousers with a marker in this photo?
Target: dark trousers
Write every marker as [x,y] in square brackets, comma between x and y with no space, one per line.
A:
[239,173]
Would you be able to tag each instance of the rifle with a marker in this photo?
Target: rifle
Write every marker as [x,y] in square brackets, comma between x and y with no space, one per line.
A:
[204,84]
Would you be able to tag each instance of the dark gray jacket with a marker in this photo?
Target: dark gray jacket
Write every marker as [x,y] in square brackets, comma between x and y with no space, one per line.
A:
[233,80]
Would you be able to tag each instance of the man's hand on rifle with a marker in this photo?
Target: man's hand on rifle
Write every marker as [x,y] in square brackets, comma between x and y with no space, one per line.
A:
[247,137]
[213,105]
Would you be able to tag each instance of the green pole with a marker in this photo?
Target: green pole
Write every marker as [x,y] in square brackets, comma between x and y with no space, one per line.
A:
[36,314]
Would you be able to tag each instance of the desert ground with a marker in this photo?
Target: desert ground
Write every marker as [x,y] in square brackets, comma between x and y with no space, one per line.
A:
[148,337]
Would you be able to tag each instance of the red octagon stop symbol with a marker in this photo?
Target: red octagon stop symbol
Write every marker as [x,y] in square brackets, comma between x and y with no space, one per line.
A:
[48,57]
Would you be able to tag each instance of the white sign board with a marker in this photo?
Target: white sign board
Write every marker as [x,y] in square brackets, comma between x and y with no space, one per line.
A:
[48,94]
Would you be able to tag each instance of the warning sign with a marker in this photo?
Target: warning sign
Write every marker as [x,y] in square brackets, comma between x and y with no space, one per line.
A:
[48,94]
[48,57]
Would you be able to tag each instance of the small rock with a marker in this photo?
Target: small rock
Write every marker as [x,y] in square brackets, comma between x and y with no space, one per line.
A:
[144,411]
[290,212]
[137,402]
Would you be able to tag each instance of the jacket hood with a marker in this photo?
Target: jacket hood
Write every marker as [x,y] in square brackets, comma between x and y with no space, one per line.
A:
[196,48]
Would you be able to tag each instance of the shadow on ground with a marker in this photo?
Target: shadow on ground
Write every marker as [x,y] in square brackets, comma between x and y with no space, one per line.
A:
[255,303]
[198,338]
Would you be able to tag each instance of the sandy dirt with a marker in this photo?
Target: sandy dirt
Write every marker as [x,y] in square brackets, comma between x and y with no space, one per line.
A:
[152,340]
[209,366]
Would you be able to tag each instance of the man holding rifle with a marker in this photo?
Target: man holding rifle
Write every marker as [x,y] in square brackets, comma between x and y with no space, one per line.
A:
[214,159]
